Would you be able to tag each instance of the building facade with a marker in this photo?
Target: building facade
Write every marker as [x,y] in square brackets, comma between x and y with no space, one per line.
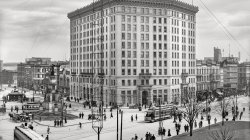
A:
[31,73]
[147,45]
[208,75]
[217,55]
[230,72]
[244,77]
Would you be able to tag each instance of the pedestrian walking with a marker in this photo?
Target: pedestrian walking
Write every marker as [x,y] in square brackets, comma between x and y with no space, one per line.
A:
[187,127]
[215,120]
[136,137]
[105,117]
[65,120]
[164,131]
[47,137]
[61,122]
[55,123]
[177,131]
[153,137]
[132,118]
[241,113]
[11,108]
[80,124]
[48,130]
[169,133]
[136,117]
[195,124]
[111,115]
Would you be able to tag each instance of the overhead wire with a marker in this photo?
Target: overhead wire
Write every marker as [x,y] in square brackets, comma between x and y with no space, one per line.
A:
[37,35]
[225,30]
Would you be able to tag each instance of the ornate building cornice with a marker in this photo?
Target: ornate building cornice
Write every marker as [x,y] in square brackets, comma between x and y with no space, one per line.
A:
[170,4]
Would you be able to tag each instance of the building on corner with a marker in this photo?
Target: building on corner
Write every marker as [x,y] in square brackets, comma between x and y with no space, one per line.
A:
[147,46]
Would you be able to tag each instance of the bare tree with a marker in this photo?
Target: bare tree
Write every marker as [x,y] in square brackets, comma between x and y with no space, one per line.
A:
[191,109]
[224,133]
[222,107]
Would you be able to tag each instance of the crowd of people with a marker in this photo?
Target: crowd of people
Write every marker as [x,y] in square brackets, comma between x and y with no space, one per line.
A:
[132,117]
[58,123]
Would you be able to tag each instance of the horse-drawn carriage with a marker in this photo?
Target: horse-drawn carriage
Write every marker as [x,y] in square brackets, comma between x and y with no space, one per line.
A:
[19,117]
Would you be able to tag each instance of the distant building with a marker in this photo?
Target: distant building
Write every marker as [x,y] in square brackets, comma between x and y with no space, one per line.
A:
[219,58]
[7,77]
[217,55]
[31,73]
[148,45]
[208,75]
[244,77]
[230,72]
[10,66]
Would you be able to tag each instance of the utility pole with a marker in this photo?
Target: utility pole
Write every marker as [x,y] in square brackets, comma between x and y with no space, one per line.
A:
[160,131]
[121,124]
[117,124]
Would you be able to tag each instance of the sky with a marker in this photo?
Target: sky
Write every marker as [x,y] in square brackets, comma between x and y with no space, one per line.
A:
[40,28]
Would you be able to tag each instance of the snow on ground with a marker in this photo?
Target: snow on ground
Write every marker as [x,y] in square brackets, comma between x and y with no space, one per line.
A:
[71,131]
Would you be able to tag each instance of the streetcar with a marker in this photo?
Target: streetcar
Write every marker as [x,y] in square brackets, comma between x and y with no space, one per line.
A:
[31,107]
[153,113]
[22,133]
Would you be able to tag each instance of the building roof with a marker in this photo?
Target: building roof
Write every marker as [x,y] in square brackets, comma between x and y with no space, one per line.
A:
[107,3]
[15,93]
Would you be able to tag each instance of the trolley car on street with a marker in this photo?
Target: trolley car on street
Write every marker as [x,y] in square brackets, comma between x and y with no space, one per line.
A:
[153,113]
[22,133]
[31,107]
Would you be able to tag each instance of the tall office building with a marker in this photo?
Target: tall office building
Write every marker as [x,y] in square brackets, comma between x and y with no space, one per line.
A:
[147,46]
[217,55]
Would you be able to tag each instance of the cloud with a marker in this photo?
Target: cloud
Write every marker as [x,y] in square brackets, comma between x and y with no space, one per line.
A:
[41,27]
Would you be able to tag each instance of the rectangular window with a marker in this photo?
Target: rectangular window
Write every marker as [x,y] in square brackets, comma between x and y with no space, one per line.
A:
[129,45]
[129,27]
[165,81]
[123,27]
[134,54]
[134,71]
[134,28]
[123,36]
[142,19]
[123,17]
[123,71]
[134,82]
[123,54]
[123,45]
[123,82]
[129,71]
[123,63]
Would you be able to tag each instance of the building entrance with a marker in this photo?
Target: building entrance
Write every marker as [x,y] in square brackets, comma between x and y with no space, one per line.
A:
[144,97]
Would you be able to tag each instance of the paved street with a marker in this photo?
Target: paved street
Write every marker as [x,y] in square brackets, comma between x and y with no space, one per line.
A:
[71,130]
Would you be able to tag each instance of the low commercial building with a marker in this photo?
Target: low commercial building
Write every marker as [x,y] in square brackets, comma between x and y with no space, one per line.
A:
[244,77]
[208,75]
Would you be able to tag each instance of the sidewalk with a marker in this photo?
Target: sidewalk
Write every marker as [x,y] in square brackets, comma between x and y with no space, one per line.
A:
[241,128]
